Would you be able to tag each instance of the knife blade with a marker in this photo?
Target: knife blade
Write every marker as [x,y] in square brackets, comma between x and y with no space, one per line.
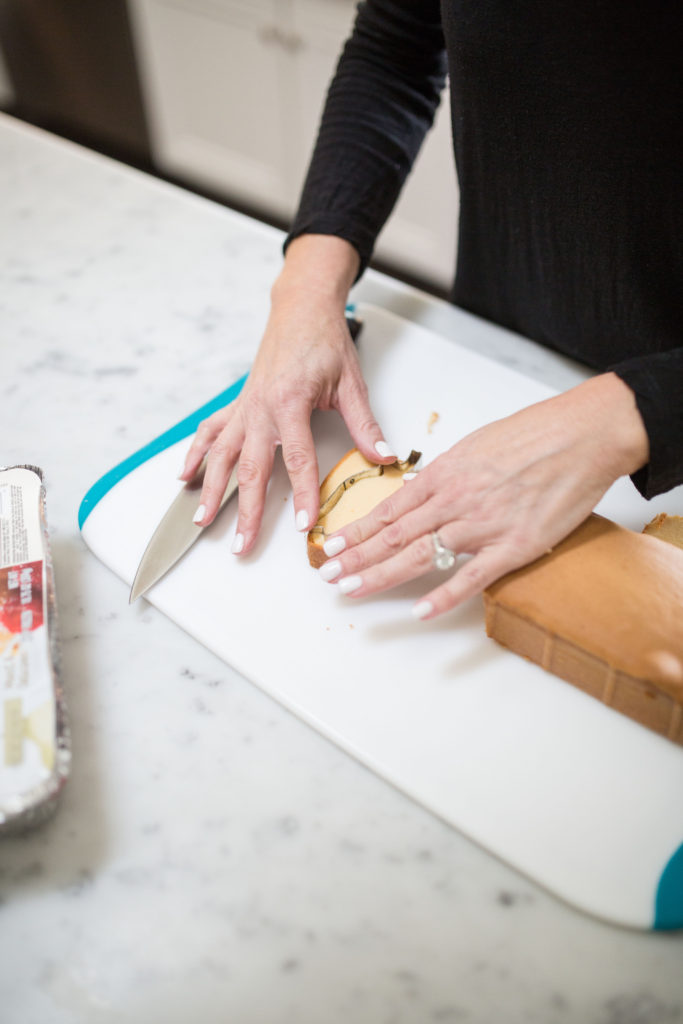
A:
[175,534]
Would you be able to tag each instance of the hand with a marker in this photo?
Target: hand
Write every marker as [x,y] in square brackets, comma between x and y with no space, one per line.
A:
[505,494]
[306,360]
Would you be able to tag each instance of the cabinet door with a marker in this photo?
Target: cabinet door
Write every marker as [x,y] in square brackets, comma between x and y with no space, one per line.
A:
[216,83]
[319,29]
[421,234]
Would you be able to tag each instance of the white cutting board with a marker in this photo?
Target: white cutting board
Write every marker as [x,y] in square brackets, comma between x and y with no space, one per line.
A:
[572,794]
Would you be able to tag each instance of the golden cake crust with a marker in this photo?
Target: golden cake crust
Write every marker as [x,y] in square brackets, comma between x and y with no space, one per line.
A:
[603,611]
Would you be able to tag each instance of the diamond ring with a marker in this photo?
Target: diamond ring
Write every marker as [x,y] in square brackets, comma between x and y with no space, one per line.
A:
[443,557]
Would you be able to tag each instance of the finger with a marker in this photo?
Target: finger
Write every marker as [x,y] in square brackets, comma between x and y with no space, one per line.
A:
[206,433]
[414,560]
[222,457]
[354,407]
[298,452]
[471,579]
[253,473]
[411,496]
[396,537]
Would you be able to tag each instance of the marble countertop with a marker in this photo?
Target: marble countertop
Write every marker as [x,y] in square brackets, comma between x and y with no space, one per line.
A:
[299,887]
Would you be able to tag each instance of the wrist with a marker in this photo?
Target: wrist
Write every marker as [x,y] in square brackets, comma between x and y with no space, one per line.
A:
[317,268]
[619,422]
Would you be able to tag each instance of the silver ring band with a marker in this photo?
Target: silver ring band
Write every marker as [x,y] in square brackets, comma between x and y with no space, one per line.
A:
[443,557]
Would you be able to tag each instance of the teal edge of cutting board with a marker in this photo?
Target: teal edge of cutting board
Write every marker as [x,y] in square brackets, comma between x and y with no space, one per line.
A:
[159,444]
[669,901]
[669,896]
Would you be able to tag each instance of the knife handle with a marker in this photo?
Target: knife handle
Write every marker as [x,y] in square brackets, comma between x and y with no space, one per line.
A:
[355,326]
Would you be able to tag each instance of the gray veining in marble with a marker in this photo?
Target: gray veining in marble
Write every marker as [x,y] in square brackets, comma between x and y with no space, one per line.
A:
[214,858]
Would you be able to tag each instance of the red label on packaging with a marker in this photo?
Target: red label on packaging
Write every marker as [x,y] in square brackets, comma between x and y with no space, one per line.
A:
[21,597]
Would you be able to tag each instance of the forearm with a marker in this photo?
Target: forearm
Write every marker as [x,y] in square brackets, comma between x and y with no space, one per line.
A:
[379,106]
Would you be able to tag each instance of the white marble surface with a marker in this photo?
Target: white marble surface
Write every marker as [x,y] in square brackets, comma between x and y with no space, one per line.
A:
[213,857]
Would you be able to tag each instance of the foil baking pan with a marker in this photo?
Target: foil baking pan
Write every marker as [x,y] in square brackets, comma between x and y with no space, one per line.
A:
[35,753]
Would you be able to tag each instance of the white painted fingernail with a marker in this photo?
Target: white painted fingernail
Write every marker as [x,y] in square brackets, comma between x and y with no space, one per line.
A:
[409,476]
[302,520]
[181,473]
[350,583]
[198,517]
[422,609]
[333,546]
[330,570]
[384,451]
[237,544]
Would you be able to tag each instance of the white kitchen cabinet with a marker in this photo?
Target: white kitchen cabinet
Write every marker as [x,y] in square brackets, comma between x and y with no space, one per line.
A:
[214,83]
[319,28]
[234,90]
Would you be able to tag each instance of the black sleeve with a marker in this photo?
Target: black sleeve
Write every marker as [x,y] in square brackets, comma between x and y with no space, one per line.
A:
[657,382]
[379,107]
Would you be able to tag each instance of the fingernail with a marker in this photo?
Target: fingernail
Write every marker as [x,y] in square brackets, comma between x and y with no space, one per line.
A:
[330,570]
[302,520]
[198,517]
[422,609]
[333,546]
[181,474]
[409,476]
[237,544]
[350,583]
[384,451]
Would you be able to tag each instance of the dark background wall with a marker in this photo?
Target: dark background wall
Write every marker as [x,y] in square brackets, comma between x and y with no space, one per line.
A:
[72,69]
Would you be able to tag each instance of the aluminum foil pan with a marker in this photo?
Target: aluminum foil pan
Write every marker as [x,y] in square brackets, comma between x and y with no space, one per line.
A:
[35,753]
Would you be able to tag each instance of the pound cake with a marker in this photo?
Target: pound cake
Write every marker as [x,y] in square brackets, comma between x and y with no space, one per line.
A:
[604,611]
[351,490]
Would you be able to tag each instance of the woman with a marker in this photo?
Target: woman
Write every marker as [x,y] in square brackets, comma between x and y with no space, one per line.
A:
[566,123]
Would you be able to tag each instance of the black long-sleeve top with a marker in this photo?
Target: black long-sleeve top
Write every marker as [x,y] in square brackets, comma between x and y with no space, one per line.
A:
[567,123]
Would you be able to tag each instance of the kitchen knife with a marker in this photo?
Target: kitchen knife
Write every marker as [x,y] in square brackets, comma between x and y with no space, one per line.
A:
[175,534]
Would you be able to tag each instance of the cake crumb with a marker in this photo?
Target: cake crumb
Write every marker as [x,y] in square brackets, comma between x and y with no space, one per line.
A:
[432,421]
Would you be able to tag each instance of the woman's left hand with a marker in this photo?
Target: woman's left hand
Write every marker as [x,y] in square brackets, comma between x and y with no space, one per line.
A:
[505,495]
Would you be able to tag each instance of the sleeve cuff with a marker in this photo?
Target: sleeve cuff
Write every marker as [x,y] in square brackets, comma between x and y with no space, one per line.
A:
[655,382]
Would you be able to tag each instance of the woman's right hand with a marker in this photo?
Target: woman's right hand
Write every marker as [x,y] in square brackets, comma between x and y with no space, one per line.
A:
[306,361]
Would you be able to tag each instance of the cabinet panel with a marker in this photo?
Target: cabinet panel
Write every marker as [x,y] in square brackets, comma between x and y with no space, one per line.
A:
[234,91]
[214,81]
[322,26]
